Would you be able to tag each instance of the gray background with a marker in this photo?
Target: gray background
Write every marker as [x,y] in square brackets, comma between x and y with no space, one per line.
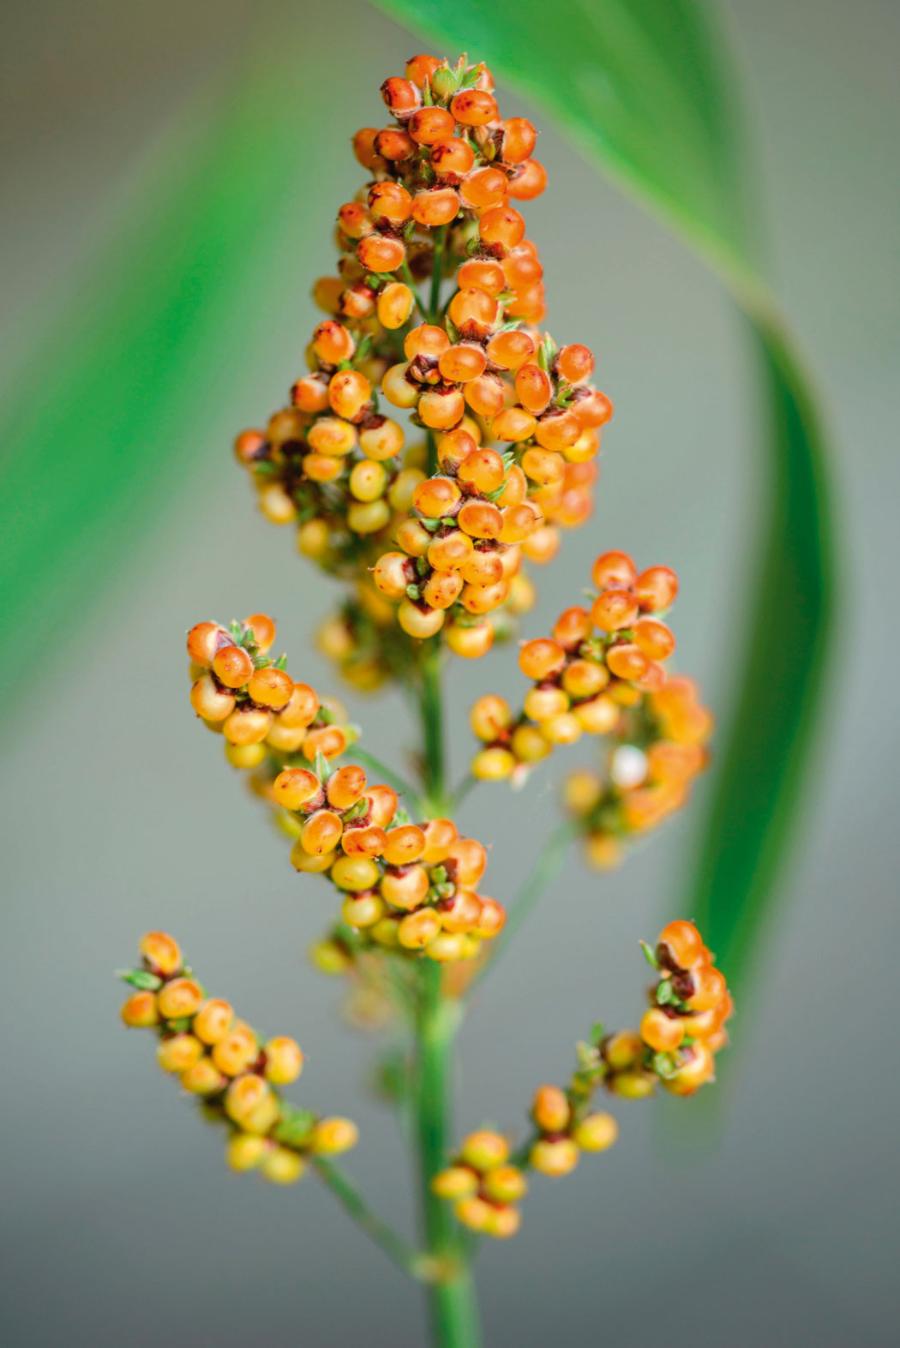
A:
[120,1223]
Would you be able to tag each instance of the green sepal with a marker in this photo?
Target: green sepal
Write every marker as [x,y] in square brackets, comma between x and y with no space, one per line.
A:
[546,352]
[649,955]
[141,979]
[295,1126]
[664,1065]
[665,994]
[363,349]
[597,1032]
[587,1056]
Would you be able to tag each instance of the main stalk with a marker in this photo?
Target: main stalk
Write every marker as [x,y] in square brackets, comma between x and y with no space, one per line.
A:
[453,1306]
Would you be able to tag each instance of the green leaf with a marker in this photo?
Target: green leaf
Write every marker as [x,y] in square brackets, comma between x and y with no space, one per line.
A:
[645,91]
[97,425]
[767,750]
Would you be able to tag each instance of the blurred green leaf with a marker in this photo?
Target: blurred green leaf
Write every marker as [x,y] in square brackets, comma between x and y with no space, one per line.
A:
[645,90]
[99,427]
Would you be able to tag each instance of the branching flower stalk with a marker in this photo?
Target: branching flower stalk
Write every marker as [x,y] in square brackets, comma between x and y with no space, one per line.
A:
[436,312]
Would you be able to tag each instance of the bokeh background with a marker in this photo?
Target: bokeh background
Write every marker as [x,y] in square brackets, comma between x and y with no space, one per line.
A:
[767,1219]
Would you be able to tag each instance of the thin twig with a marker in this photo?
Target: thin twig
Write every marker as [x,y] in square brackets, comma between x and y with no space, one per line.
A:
[467,784]
[411,282]
[437,273]
[432,714]
[546,869]
[405,1255]
[391,778]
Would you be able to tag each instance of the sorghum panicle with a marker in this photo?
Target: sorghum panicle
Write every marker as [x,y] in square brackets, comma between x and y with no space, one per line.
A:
[435,314]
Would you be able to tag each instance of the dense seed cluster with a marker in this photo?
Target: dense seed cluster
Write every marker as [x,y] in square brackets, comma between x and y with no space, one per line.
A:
[679,1036]
[602,672]
[226,1064]
[660,749]
[484,1182]
[565,1128]
[341,479]
[403,885]
[469,367]
[253,701]
[598,662]
[483,1185]
[683,1028]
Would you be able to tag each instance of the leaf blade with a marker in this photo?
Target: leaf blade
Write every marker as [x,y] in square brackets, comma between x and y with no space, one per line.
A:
[94,428]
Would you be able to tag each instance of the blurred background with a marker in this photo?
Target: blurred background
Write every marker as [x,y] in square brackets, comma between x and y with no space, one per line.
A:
[767,1219]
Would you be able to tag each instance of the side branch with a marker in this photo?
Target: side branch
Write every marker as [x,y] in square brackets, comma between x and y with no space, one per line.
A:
[397,1249]
[545,871]
[388,775]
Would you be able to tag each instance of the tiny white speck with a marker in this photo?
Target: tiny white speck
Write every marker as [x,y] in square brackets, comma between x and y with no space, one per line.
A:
[629,766]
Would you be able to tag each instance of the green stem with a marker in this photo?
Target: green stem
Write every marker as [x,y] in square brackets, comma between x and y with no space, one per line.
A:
[467,784]
[395,1247]
[437,274]
[545,871]
[432,464]
[432,713]
[388,775]
[452,1302]
[411,282]
[451,1295]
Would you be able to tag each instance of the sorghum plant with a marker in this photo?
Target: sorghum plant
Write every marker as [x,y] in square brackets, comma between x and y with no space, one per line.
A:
[438,444]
